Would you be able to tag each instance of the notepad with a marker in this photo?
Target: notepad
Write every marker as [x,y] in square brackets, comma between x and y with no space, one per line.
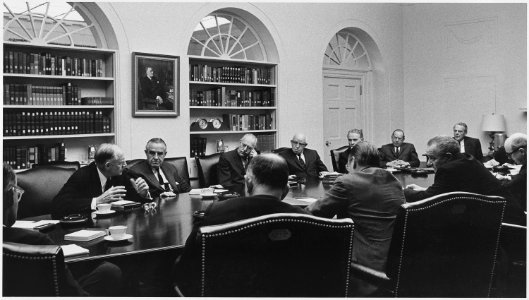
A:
[73,250]
[84,235]
[32,224]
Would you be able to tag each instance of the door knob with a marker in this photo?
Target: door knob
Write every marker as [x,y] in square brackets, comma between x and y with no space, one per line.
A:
[327,143]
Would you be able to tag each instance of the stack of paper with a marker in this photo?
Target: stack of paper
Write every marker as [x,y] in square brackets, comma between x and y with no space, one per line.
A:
[73,250]
[84,235]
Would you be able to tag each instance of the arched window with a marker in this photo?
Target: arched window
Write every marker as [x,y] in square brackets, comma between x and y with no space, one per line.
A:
[227,37]
[47,23]
[346,51]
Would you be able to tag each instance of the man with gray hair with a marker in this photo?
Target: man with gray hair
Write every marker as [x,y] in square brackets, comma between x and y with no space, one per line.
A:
[456,171]
[102,181]
[516,149]
[233,164]
[353,137]
[301,161]
[467,144]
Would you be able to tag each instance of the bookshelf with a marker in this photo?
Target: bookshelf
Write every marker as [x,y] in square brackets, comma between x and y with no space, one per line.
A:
[58,100]
[229,98]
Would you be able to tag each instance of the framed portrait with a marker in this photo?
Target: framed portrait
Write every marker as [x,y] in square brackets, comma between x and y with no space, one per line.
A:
[156,85]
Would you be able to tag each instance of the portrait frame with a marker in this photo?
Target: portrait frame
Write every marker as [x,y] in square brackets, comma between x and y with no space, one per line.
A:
[155,92]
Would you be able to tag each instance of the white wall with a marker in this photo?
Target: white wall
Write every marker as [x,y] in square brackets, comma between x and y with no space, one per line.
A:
[301,32]
[459,60]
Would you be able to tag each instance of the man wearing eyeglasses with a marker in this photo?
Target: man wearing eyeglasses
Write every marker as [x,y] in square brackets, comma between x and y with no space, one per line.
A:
[162,177]
[303,162]
[103,181]
[516,149]
[398,154]
[103,280]
[456,171]
[233,164]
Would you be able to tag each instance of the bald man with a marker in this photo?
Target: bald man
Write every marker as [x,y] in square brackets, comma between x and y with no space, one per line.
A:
[233,164]
[301,161]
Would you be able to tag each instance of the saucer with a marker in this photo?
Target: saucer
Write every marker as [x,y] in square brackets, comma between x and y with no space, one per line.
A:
[104,212]
[124,237]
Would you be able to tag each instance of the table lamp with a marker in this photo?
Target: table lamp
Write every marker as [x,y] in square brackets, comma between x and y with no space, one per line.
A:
[495,126]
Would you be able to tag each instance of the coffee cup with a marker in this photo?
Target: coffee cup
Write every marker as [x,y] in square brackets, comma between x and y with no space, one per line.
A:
[117,232]
[104,207]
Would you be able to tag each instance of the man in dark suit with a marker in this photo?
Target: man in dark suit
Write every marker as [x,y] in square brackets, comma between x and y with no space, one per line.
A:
[266,184]
[353,137]
[516,149]
[103,280]
[233,164]
[467,144]
[398,153]
[152,93]
[103,181]
[303,162]
[162,177]
[455,171]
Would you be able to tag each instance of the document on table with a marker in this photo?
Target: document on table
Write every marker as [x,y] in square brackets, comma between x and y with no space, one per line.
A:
[33,224]
[73,250]
[301,201]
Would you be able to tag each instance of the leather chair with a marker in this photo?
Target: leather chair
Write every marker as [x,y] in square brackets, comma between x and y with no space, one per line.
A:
[180,163]
[31,271]
[511,279]
[443,246]
[277,255]
[335,155]
[41,185]
[207,169]
[60,164]
[132,162]
[279,150]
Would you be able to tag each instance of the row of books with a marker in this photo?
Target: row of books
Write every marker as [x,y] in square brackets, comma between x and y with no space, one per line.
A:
[23,157]
[198,146]
[232,98]
[28,94]
[49,64]
[24,123]
[230,74]
[239,122]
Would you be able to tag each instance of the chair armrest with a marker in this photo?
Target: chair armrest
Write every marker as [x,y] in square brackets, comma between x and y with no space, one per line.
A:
[370,275]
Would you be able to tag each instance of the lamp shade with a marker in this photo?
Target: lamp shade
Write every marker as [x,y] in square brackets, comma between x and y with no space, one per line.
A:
[493,123]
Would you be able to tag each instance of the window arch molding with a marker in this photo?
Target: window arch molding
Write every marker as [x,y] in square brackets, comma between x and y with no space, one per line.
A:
[25,25]
[249,17]
[346,51]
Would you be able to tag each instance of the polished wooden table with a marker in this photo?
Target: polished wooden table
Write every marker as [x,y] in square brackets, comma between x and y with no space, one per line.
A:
[168,227]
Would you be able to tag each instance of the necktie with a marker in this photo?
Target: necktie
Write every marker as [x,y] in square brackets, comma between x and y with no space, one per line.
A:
[108,184]
[397,151]
[301,161]
[164,185]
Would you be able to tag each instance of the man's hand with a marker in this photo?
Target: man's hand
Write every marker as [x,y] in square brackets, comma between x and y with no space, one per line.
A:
[415,187]
[252,154]
[114,193]
[159,100]
[141,186]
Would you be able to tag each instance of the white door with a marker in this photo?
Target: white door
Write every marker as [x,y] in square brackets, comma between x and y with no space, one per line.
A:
[342,111]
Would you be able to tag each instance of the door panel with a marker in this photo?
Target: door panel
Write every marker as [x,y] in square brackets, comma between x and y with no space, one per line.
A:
[342,102]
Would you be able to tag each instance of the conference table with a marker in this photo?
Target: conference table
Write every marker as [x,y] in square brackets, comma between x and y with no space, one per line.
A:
[170,223]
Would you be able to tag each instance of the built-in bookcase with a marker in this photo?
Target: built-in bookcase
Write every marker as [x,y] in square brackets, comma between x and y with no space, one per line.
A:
[228,98]
[57,101]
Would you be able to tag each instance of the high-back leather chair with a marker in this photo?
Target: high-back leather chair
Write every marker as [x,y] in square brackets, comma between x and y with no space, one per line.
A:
[60,164]
[277,255]
[207,169]
[443,246]
[335,154]
[41,185]
[132,162]
[31,270]
[180,163]
[281,149]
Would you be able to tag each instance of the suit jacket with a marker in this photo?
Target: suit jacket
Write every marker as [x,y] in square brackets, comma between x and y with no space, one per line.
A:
[466,174]
[313,163]
[371,197]
[342,161]
[473,147]
[231,171]
[77,193]
[407,153]
[178,184]
[518,187]
[220,212]
[30,237]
